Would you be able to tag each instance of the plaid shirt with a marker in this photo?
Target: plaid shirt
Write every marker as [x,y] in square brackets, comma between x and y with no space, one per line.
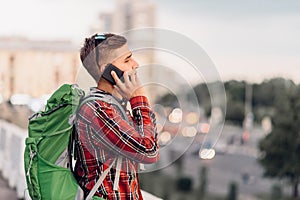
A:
[104,135]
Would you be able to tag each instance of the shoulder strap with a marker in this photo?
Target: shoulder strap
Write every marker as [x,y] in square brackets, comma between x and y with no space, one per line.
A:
[108,99]
[100,180]
[111,100]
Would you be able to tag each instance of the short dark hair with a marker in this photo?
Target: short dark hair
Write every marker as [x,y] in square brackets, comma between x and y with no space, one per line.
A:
[94,52]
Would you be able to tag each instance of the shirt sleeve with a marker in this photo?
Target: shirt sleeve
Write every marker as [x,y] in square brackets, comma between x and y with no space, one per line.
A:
[137,142]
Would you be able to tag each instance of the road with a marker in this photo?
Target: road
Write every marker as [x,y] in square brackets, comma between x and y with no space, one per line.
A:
[224,169]
[237,164]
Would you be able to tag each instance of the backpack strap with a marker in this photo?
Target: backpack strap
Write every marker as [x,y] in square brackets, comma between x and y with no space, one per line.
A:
[117,177]
[100,180]
[108,99]
[111,100]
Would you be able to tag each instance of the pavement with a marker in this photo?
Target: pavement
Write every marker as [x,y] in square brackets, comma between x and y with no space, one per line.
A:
[6,193]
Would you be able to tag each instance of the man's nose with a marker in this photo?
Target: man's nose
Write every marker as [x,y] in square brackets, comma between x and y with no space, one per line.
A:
[134,64]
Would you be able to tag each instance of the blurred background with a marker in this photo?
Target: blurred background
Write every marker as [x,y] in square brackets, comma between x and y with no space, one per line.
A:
[255,48]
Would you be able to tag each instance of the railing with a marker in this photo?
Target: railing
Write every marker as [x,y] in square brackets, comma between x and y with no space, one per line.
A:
[12,145]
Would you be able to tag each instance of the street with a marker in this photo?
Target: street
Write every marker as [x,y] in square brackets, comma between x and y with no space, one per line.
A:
[224,169]
[232,163]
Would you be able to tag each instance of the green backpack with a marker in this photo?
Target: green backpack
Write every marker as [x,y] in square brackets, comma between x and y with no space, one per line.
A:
[48,151]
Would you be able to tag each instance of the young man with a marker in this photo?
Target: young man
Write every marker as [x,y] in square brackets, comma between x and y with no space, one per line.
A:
[103,133]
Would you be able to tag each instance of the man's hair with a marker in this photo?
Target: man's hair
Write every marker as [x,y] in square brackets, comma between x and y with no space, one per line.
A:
[99,50]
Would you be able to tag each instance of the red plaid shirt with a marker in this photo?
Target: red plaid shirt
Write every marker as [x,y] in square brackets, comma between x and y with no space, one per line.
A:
[104,135]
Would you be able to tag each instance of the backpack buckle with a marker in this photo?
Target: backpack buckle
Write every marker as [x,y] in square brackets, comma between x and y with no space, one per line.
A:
[72,118]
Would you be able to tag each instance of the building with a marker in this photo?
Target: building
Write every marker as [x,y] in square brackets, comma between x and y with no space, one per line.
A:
[127,17]
[35,68]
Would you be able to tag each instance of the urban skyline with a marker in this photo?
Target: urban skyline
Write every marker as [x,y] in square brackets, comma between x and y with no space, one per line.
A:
[248,40]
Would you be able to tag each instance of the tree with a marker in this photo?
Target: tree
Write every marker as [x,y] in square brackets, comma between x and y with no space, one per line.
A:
[265,95]
[264,98]
[168,100]
[281,148]
[203,97]
[235,93]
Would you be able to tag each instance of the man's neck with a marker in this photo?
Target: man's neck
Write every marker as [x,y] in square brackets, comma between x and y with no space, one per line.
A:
[105,86]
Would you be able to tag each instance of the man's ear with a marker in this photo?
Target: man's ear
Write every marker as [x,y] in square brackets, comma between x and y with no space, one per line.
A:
[102,67]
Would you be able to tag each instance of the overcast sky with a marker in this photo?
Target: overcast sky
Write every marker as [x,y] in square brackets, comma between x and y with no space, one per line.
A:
[249,39]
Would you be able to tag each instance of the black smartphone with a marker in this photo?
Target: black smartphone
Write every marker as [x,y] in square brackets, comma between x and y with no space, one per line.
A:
[107,73]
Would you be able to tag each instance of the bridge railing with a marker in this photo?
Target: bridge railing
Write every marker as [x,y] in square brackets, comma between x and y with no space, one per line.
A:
[12,145]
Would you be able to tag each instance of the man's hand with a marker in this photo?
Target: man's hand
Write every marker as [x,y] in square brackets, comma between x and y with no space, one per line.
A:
[131,86]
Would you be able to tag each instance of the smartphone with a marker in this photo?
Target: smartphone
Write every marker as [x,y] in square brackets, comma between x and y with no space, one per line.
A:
[107,73]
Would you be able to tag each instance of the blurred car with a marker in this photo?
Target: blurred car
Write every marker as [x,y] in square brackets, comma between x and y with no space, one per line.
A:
[208,150]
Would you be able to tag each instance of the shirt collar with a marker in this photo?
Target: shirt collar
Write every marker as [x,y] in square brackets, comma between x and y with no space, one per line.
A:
[94,90]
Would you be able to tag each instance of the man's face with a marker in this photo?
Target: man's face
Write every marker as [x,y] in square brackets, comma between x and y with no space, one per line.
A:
[125,61]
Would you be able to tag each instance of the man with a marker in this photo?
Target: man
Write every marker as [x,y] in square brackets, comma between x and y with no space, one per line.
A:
[103,133]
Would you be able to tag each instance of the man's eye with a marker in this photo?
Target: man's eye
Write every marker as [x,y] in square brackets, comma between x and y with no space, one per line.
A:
[126,61]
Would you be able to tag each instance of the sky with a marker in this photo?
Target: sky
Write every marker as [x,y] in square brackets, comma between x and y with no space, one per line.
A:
[248,40]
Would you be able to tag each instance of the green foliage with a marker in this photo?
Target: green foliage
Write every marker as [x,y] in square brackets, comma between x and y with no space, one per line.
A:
[203,97]
[235,91]
[281,148]
[265,98]
[235,113]
[267,95]
[168,100]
